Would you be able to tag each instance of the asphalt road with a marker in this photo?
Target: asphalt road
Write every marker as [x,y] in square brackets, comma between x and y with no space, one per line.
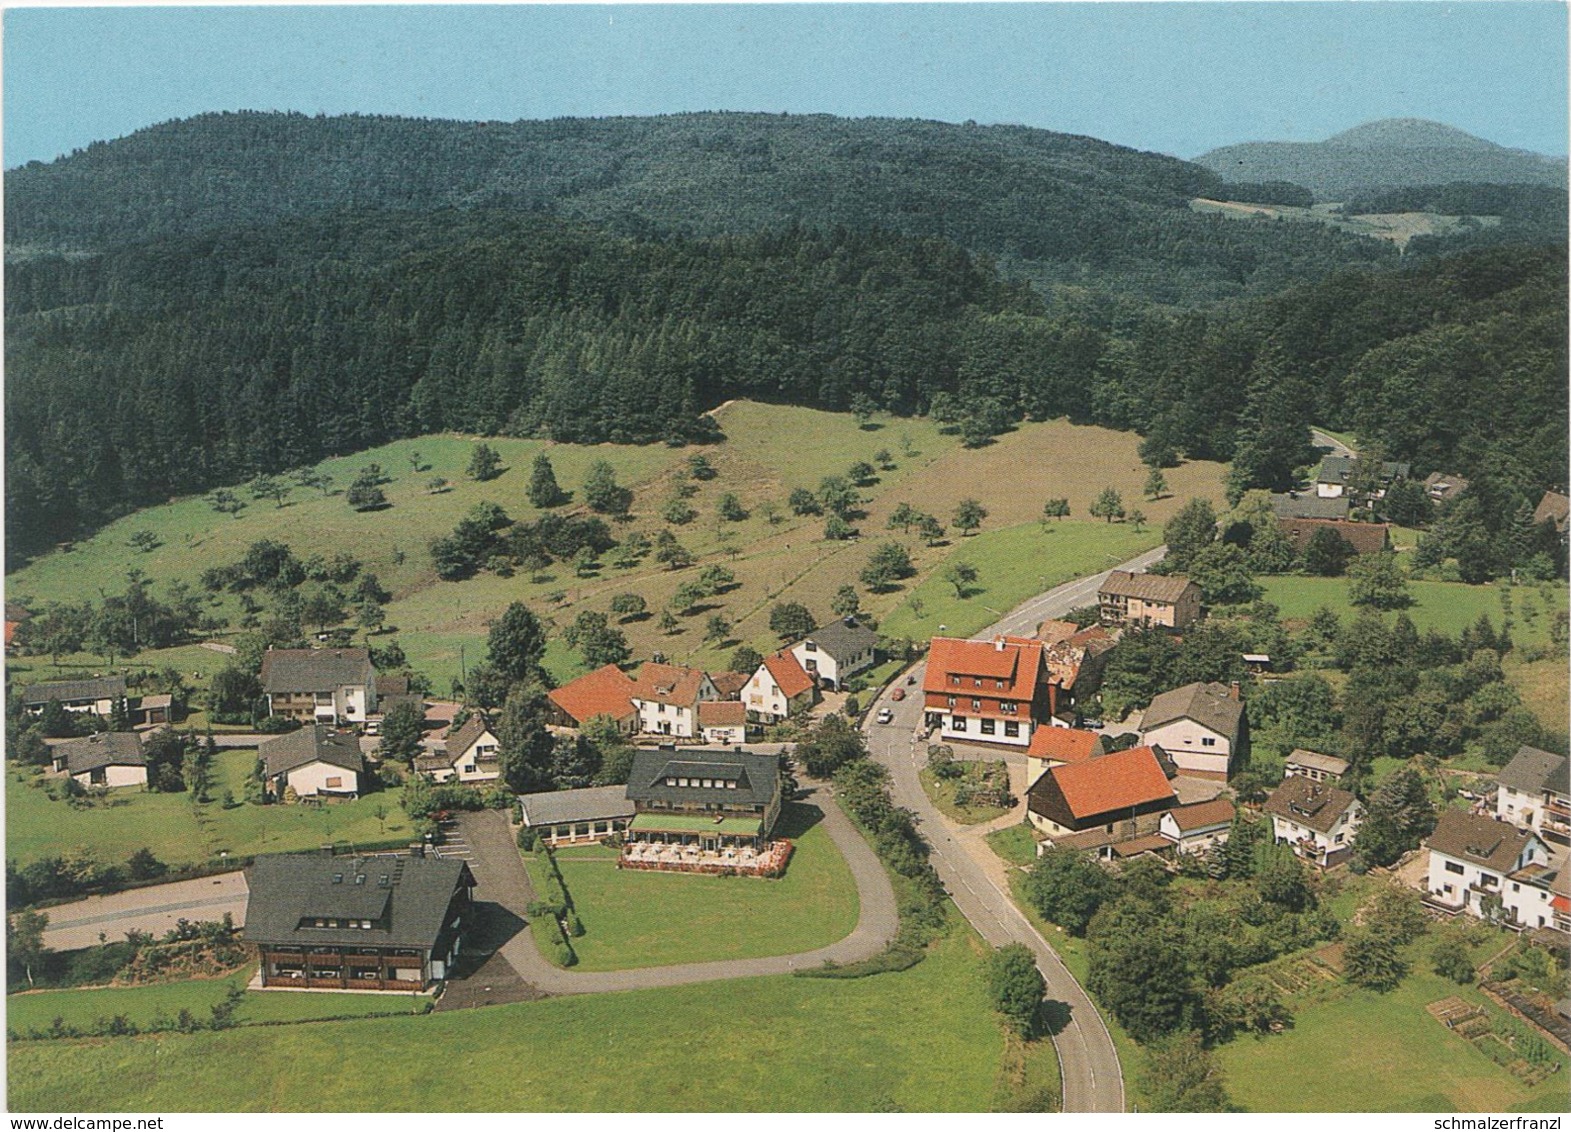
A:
[1092,1077]
[1321,440]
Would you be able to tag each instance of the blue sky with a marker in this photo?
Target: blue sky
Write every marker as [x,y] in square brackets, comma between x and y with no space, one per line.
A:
[1179,78]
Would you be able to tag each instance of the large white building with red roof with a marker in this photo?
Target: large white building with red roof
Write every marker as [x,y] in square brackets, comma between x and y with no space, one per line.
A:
[667,698]
[996,691]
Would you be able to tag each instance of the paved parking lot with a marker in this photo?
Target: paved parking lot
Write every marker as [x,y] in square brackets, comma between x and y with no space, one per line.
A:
[154,909]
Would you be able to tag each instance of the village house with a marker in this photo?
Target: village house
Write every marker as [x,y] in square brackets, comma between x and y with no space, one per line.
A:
[1317,820]
[1441,487]
[357,923]
[1144,600]
[1105,796]
[667,698]
[1364,538]
[1491,869]
[1300,505]
[577,817]
[314,761]
[835,652]
[709,799]
[1202,727]
[1060,746]
[109,758]
[1075,658]
[1199,826]
[606,691]
[780,688]
[722,722]
[730,684]
[470,754]
[15,614]
[1554,508]
[332,686]
[97,695]
[1315,766]
[1333,477]
[994,691]
[1535,794]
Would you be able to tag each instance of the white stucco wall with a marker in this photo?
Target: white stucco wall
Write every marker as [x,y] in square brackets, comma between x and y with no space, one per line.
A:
[312,779]
[1184,742]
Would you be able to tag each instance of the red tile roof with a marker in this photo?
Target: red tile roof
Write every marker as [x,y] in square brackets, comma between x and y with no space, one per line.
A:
[1364,538]
[668,684]
[1198,815]
[605,691]
[1015,660]
[1113,782]
[722,713]
[788,672]
[1051,632]
[1061,745]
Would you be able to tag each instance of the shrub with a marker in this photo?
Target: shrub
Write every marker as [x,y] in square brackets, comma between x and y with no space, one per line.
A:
[1451,961]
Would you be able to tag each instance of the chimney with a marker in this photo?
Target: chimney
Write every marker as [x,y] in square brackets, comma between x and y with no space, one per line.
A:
[1234,692]
[998,644]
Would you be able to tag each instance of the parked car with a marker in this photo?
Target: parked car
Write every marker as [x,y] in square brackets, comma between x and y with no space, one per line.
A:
[886,716]
[898,694]
[1092,724]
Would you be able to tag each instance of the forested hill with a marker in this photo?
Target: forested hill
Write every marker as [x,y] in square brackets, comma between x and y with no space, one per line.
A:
[169,367]
[1052,207]
[1391,153]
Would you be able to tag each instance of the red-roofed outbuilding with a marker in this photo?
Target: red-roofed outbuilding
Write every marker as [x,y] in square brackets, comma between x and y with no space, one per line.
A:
[1102,791]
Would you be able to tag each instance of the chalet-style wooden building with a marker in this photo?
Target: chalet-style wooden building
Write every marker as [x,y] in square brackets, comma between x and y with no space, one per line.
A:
[357,923]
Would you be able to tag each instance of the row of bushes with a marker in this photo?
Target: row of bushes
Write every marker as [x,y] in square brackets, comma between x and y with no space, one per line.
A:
[557,908]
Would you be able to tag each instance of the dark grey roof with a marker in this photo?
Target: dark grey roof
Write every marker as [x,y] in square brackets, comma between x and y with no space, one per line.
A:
[308,745]
[1532,771]
[107,748]
[102,688]
[594,803]
[757,776]
[314,670]
[1337,469]
[1168,588]
[1209,705]
[843,639]
[1309,506]
[409,906]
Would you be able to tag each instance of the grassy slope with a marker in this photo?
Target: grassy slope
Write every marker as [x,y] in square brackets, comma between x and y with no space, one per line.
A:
[1447,606]
[82,1007]
[179,833]
[924,1039]
[645,919]
[770,450]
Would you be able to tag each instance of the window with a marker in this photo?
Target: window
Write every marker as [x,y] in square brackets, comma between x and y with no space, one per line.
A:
[999,684]
[1207,741]
[988,727]
[1009,707]
[976,705]
[334,782]
[976,681]
[958,723]
[809,646]
[1011,728]
[954,679]
[951,701]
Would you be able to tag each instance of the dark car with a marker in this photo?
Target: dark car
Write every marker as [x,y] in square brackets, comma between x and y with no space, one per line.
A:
[898,694]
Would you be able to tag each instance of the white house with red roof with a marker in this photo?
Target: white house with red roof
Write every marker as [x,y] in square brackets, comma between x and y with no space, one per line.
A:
[723,722]
[606,691]
[1195,828]
[995,691]
[1059,746]
[780,688]
[667,698]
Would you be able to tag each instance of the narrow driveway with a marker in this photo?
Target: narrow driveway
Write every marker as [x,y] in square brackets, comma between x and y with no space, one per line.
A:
[503,881]
[1092,1076]
[155,909]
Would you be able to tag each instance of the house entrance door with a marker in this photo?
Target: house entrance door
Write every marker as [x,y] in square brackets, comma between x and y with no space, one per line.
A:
[710,844]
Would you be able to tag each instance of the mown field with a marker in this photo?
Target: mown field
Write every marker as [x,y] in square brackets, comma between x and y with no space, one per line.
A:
[769,450]
[181,833]
[647,919]
[1446,606]
[924,1040]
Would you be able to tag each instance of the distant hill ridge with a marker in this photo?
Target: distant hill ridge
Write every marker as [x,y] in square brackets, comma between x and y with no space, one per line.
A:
[1386,154]
[1050,207]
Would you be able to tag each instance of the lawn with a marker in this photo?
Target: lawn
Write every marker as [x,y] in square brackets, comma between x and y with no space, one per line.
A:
[1446,606]
[1012,564]
[179,833]
[83,1007]
[647,919]
[1367,1052]
[1014,844]
[924,1040]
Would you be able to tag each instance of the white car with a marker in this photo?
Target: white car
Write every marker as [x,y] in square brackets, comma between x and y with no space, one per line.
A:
[886,716]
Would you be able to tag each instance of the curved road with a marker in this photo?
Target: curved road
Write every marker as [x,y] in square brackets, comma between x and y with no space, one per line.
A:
[1092,1077]
[503,880]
